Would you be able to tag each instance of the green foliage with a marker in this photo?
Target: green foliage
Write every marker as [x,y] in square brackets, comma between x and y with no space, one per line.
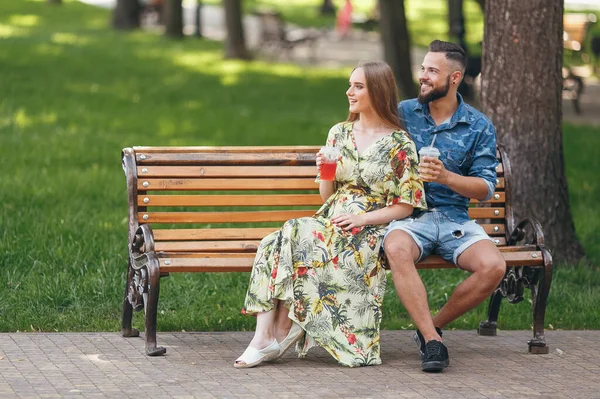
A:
[77,92]
[427,19]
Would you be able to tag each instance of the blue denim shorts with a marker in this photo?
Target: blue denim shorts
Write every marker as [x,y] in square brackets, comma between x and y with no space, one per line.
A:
[434,232]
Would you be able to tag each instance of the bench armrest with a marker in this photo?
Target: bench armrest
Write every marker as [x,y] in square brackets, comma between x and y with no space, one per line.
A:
[142,247]
[531,225]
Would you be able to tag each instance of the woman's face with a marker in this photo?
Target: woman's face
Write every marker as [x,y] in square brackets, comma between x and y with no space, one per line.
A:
[358,95]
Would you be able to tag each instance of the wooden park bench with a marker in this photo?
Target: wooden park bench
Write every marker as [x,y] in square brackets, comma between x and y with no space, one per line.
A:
[205,209]
[276,37]
[576,27]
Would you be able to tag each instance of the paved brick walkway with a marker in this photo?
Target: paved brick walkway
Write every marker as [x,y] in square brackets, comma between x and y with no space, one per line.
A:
[199,365]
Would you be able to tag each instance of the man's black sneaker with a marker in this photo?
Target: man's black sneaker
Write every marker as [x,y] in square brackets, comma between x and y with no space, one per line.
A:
[418,337]
[436,358]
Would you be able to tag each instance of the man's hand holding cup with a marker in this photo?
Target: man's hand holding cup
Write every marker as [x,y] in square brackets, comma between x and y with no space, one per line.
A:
[431,169]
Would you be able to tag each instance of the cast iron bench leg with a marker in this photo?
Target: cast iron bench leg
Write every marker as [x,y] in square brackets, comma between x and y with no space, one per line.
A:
[151,307]
[539,294]
[489,326]
[126,329]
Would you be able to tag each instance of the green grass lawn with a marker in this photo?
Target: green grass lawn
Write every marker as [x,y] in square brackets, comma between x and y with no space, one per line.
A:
[75,93]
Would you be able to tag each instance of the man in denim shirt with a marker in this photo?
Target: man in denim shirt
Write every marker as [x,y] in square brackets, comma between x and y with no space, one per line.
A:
[466,169]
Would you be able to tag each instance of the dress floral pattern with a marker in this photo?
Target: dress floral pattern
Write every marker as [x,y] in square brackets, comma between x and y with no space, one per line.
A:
[333,281]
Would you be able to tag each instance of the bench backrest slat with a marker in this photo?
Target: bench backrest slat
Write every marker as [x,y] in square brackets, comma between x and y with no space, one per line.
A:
[265,216]
[252,233]
[226,171]
[261,159]
[231,200]
[223,217]
[227,184]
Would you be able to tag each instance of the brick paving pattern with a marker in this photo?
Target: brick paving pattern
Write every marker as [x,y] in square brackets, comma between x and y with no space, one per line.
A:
[199,365]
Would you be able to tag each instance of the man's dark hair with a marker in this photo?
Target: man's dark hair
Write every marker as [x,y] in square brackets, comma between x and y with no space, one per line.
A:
[453,52]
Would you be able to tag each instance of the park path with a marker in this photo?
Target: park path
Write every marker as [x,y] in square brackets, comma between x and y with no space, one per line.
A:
[200,365]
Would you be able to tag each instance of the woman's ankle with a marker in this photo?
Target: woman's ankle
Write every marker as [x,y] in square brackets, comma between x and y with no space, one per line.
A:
[282,330]
[261,341]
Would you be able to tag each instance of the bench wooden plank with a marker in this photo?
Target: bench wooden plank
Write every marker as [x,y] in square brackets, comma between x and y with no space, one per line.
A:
[231,200]
[168,255]
[226,184]
[501,199]
[259,200]
[493,229]
[298,149]
[222,217]
[244,264]
[252,233]
[286,158]
[486,213]
[208,246]
[225,246]
[235,171]
[257,233]
[227,171]
[274,216]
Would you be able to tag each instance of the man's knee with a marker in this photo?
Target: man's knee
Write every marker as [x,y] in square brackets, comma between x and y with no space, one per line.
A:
[484,259]
[492,269]
[400,250]
[497,269]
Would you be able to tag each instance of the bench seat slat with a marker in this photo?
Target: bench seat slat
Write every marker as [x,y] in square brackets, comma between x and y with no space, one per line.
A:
[231,200]
[227,184]
[244,264]
[222,217]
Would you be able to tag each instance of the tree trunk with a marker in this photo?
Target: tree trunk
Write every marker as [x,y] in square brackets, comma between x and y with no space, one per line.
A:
[235,44]
[327,8]
[173,14]
[126,15]
[481,4]
[198,19]
[396,44]
[521,93]
[456,23]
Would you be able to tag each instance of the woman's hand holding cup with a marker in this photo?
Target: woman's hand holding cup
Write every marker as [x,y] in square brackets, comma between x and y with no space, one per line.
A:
[327,159]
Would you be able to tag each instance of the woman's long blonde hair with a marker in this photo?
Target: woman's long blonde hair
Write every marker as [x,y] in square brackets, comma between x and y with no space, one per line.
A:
[383,92]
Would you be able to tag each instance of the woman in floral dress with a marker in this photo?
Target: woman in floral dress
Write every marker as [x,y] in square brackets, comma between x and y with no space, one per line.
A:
[320,280]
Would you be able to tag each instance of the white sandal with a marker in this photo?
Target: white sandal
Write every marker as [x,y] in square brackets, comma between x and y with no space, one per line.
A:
[253,357]
[293,336]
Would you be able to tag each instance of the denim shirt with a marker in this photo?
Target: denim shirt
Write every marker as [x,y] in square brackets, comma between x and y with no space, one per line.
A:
[467,145]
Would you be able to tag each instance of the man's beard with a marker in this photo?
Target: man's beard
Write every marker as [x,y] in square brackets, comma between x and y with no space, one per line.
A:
[434,94]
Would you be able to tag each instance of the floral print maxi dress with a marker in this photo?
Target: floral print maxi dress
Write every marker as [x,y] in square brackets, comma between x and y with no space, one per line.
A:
[333,281]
